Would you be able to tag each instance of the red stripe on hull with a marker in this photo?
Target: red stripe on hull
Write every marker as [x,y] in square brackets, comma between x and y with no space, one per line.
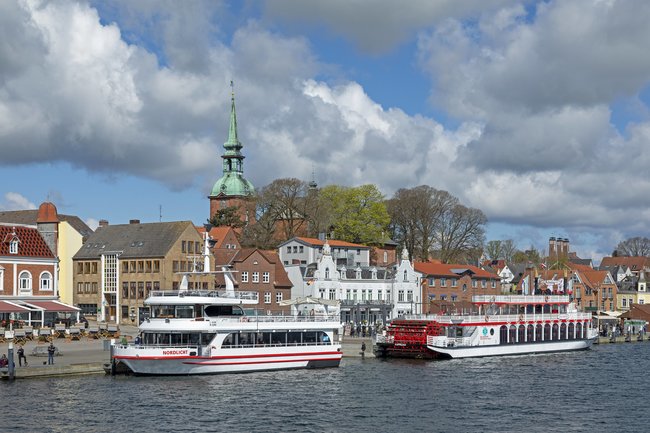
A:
[261,355]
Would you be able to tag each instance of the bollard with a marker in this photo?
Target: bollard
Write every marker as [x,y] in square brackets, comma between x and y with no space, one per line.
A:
[11,365]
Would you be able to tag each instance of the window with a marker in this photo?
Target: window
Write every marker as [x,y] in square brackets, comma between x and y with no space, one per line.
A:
[125,267]
[13,246]
[125,289]
[454,282]
[147,266]
[494,284]
[301,249]
[483,284]
[80,287]
[332,293]
[25,282]
[453,298]
[400,296]
[46,281]
[295,249]
[327,273]
[156,266]
[256,277]
[183,246]
[87,268]
[474,283]
[358,252]
[288,250]
[132,291]
[94,287]
[93,268]
[278,297]
[267,297]
[190,246]
[132,267]
[86,287]
[443,282]
[265,277]
[385,256]
[432,282]
[244,277]
[140,289]
[140,266]
[409,296]
[406,275]
[624,302]
[80,268]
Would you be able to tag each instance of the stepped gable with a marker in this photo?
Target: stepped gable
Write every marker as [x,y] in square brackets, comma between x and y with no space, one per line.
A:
[133,240]
[31,243]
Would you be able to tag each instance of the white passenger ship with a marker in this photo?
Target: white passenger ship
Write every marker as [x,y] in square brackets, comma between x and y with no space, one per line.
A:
[513,325]
[208,332]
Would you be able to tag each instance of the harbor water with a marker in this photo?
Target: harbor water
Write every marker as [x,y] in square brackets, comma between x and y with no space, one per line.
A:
[600,390]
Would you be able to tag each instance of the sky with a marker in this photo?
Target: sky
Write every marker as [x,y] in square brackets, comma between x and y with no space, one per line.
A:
[535,112]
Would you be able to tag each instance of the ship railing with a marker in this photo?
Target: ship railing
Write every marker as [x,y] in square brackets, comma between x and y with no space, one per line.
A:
[512,318]
[143,346]
[522,299]
[442,341]
[238,294]
[296,318]
[384,339]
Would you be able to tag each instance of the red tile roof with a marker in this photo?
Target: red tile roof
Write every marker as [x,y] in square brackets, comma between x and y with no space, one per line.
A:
[30,242]
[445,269]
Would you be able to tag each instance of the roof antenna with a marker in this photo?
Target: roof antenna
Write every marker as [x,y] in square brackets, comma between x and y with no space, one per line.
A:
[159,213]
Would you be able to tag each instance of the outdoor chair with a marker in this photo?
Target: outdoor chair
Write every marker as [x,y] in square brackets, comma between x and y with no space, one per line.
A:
[75,334]
[112,331]
[19,336]
[59,330]
[92,332]
[44,335]
[29,332]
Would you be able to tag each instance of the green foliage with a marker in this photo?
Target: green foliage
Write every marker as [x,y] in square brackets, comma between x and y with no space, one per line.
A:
[356,214]
[228,216]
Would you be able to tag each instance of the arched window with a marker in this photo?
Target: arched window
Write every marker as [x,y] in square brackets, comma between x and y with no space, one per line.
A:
[556,332]
[538,332]
[512,334]
[25,282]
[45,281]
[530,333]
[503,334]
[385,256]
[327,273]
[406,275]
[563,331]
[579,331]
[547,332]
[521,335]
[572,334]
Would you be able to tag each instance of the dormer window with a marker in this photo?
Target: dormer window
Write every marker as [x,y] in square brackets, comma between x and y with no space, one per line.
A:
[13,246]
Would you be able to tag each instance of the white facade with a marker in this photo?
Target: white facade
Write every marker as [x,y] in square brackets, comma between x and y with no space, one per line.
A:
[303,251]
[371,287]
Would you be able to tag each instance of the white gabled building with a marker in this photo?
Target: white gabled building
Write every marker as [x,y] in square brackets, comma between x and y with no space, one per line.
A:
[367,293]
[304,251]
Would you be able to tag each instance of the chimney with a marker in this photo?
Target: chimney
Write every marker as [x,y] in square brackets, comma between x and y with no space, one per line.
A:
[551,246]
[103,223]
[134,221]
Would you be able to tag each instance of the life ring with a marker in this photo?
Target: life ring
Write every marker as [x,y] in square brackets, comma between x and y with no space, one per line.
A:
[521,317]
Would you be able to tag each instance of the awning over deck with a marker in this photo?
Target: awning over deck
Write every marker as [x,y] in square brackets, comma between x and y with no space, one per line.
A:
[10,307]
[53,306]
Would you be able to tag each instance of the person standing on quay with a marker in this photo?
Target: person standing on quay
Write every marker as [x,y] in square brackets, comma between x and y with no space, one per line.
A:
[50,354]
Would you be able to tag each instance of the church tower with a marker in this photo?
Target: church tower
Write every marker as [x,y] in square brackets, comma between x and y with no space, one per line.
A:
[232,189]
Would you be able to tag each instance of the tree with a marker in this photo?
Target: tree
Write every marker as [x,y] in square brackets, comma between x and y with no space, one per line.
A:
[493,250]
[634,247]
[228,216]
[461,229]
[532,256]
[288,203]
[357,214]
[500,249]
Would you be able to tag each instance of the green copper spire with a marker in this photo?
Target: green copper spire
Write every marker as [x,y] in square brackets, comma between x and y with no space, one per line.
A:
[232,183]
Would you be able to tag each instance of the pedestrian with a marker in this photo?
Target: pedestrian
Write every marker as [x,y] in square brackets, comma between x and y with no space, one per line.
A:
[50,354]
[4,362]
[363,350]
[21,356]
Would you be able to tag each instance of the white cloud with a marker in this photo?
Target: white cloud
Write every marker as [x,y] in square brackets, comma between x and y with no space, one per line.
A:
[16,201]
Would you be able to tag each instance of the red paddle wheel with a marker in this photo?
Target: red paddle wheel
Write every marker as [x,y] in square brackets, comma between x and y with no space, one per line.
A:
[407,339]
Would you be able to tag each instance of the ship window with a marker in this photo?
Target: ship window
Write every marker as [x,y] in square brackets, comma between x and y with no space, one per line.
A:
[223,310]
